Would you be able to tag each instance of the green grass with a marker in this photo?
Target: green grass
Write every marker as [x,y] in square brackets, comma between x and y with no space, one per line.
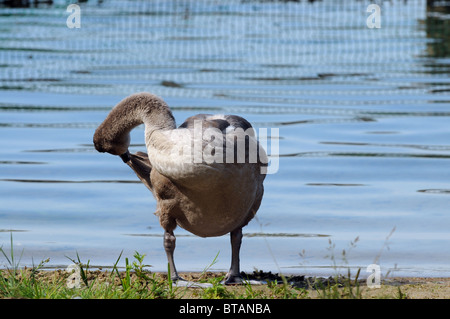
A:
[136,282]
[133,282]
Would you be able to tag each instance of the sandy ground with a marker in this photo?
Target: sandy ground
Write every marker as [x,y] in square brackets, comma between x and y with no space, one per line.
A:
[411,288]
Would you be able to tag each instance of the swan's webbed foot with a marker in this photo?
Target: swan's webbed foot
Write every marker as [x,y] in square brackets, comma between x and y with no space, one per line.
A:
[233,280]
[177,278]
[239,280]
[180,282]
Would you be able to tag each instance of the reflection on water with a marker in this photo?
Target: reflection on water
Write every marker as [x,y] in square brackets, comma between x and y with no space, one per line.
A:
[53,181]
[437,29]
[435,191]
[363,117]
[26,3]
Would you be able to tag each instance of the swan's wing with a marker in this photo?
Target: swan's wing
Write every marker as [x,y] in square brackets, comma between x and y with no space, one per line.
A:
[222,122]
[140,164]
[205,147]
[189,122]
[238,122]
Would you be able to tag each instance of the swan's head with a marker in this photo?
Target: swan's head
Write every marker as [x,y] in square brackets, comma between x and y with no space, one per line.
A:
[111,143]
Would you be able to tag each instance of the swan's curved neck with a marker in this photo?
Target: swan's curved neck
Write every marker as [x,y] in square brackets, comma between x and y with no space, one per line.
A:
[113,135]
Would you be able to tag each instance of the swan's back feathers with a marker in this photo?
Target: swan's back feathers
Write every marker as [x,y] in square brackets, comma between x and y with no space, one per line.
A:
[206,147]
[222,122]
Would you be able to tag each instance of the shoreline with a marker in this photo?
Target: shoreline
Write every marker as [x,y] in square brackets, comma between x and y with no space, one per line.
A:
[298,286]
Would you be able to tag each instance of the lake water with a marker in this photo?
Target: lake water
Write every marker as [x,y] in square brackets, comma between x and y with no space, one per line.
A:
[363,115]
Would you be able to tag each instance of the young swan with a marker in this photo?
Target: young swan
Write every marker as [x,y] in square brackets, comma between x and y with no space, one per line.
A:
[206,176]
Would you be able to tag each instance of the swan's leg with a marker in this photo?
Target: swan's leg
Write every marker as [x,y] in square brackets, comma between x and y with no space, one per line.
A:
[169,246]
[234,275]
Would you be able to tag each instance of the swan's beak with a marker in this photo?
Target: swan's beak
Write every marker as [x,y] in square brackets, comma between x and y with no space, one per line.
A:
[125,157]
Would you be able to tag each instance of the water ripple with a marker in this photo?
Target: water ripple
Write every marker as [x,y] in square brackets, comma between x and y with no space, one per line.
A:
[435,191]
[21,163]
[50,181]
[415,146]
[256,234]
[365,154]
[335,184]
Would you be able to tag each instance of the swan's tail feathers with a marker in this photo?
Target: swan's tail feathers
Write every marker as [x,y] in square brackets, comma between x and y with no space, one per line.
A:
[140,164]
